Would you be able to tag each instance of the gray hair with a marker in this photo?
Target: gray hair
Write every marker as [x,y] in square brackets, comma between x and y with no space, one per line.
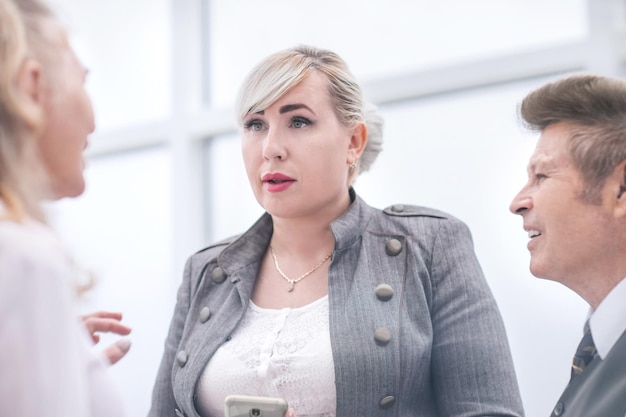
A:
[595,107]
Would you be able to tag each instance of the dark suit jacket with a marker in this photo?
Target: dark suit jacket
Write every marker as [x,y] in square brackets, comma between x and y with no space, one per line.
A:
[447,354]
[600,391]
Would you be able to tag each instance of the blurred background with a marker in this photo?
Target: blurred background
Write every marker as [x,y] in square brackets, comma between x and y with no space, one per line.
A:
[165,176]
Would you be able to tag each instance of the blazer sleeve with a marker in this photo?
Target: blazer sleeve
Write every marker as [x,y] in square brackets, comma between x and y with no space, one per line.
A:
[472,368]
[163,401]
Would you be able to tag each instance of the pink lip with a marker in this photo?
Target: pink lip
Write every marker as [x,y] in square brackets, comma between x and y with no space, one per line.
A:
[277,182]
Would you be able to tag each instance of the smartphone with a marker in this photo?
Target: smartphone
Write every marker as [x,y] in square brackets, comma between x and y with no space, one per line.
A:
[252,406]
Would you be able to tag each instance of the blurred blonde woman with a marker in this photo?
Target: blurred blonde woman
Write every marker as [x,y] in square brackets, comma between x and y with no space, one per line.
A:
[340,308]
[47,366]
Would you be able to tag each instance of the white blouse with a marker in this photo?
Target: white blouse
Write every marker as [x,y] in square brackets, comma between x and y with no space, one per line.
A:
[277,353]
[47,366]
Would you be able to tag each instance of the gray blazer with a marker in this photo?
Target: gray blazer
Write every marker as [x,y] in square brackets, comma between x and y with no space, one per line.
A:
[433,346]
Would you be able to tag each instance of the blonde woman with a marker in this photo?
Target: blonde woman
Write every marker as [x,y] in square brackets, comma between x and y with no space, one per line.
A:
[340,308]
[47,366]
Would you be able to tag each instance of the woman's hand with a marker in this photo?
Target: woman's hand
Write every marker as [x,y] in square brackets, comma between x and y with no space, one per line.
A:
[110,322]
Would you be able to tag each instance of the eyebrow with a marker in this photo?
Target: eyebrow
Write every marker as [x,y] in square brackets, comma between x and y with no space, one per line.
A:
[291,107]
[541,162]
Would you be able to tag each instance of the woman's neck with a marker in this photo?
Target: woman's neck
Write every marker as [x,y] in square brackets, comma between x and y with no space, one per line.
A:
[310,235]
[302,238]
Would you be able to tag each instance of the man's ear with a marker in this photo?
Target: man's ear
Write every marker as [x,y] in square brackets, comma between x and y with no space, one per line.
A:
[621,168]
[620,189]
[358,140]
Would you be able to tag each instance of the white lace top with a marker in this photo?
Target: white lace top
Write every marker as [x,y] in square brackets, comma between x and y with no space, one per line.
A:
[277,353]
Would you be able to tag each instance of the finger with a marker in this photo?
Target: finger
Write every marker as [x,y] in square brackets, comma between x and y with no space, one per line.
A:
[290,413]
[106,325]
[104,315]
[117,351]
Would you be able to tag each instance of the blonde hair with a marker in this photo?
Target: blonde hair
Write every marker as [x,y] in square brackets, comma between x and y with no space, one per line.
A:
[280,72]
[20,173]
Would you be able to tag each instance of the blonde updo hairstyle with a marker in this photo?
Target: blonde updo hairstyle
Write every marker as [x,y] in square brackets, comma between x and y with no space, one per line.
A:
[280,72]
[21,36]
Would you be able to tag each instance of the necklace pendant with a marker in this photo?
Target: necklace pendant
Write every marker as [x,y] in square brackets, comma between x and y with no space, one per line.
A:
[293,281]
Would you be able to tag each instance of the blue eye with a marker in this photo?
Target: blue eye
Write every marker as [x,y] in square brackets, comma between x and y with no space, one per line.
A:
[299,122]
[255,125]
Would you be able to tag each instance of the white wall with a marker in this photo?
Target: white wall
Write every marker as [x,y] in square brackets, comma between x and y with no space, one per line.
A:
[121,230]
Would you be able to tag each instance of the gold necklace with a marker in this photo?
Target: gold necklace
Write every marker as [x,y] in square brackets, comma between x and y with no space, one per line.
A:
[294,281]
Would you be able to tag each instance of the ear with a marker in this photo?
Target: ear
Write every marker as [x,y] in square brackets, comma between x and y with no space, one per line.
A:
[619,189]
[30,94]
[358,140]
[29,81]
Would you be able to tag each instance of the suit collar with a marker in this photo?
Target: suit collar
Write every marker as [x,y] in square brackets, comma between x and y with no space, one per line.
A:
[349,227]
[607,321]
[248,248]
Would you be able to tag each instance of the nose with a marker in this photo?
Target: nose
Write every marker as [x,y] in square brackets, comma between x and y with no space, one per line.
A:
[521,202]
[273,145]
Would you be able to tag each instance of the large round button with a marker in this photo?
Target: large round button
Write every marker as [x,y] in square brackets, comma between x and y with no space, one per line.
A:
[397,208]
[384,292]
[382,336]
[393,247]
[205,313]
[387,402]
[181,358]
[559,408]
[218,275]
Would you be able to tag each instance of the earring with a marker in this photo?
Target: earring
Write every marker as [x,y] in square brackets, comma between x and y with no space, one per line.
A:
[352,165]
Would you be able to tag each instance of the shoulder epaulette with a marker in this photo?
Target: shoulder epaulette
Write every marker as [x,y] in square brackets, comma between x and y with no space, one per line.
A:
[408,210]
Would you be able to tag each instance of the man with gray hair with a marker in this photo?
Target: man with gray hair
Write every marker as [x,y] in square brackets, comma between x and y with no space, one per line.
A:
[574,210]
